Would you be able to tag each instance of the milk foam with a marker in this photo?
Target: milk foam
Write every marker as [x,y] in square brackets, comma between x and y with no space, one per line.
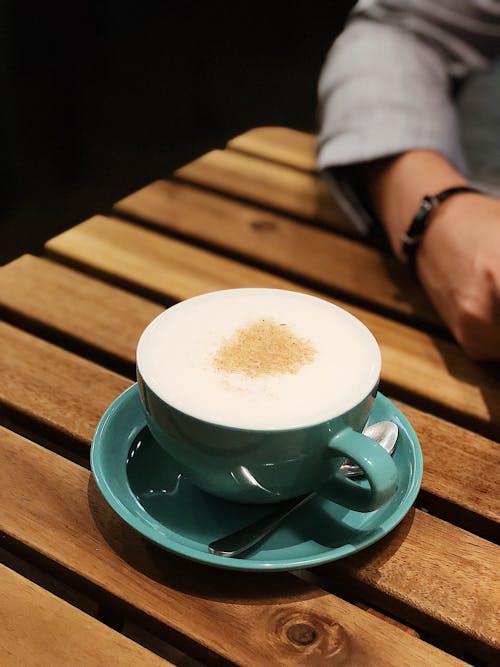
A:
[176,351]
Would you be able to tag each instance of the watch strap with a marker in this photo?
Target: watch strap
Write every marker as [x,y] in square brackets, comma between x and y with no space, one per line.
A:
[413,235]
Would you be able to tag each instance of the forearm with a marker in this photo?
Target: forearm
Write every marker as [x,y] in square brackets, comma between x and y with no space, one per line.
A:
[458,259]
[397,185]
[386,107]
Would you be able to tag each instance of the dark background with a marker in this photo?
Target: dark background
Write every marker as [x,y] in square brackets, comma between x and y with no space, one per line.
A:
[101,97]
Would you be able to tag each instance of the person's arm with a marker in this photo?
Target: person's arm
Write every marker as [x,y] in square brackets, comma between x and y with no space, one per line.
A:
[458,261]
[397,185]
[386,106]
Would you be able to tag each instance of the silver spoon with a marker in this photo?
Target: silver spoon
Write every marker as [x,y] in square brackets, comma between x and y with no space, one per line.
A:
[385,433]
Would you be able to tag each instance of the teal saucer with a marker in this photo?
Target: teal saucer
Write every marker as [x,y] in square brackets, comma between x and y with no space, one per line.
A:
[142,484]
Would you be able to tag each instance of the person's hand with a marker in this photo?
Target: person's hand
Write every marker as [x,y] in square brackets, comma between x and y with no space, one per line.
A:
[458,264]
[458,261]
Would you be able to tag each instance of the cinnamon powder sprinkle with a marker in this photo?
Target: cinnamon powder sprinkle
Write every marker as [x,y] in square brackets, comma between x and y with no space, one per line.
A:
[262,348]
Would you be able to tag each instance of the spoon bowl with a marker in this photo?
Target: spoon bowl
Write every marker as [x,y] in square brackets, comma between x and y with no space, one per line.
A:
[385,433]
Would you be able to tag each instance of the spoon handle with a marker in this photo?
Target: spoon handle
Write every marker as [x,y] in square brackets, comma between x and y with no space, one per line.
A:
[385,433]
[241,540]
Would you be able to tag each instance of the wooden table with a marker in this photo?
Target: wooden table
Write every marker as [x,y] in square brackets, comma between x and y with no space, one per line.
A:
[81,587]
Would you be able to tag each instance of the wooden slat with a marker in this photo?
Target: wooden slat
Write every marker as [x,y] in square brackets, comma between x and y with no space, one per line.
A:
[60,390]
[447,476]
[435,370]
[158,645]
[51,583]
[452,458]
[279,144]
[309,253]
[86,538]
[31,288]
[425,567]
[470,565]
[40,629]
[277,186]
[410,631]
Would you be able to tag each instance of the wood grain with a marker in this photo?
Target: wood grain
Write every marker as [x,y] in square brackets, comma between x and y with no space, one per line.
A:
[279,144]
[277,186]
[51,583]
[419,364]
[308,253]
[473,558]
[274,620]
[40,629]
[102,317]
[448,476]
[410,631]
[443,579]
[59,390]
[155,263]
[452,458]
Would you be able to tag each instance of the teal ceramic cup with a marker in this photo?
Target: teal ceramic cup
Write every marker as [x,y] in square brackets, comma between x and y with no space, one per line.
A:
[266,465]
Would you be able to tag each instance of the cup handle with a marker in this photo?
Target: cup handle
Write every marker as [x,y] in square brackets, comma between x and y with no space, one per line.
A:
[377,464]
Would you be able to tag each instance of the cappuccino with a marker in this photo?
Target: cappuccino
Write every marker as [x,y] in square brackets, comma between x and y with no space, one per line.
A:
[259,359]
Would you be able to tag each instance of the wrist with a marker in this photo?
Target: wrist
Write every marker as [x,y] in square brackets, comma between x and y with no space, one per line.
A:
[451,219]
[430,205]
[397,185]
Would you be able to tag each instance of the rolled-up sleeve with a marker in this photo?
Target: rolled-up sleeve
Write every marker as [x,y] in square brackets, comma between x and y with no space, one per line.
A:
[387,83]
[383,91]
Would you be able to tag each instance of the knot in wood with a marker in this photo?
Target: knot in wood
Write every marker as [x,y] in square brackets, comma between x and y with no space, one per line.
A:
[263,225]
[302,634]
[317,636]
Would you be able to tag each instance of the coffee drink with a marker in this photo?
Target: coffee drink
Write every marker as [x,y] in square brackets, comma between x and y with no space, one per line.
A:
[257,395]
[258,359]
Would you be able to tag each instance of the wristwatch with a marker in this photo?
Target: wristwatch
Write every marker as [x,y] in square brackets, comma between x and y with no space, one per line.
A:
[413,235]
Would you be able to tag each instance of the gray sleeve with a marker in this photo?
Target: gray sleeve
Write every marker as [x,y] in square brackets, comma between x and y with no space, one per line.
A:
[386,86]
[382,91]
